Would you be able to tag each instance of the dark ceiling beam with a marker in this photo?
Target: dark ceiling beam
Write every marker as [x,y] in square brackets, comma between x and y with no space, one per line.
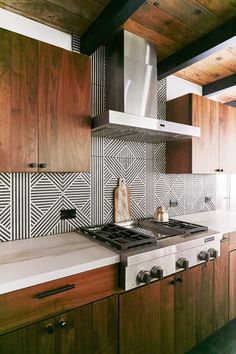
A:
[199,49]
[232,103]
[219,85]
[107,23]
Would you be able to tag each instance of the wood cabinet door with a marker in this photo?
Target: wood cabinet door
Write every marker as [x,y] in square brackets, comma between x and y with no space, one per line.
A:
[18,102]
[197,155]
[221,287]
[232,285]
[193,306]
[205,150]
[146,319]
[64,110]
[227,138]
[33,339]
[91,329]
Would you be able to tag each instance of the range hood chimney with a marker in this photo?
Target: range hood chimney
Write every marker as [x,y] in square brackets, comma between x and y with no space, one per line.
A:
[132,94]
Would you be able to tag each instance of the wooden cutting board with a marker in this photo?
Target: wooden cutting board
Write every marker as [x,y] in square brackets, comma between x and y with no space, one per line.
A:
[122,202]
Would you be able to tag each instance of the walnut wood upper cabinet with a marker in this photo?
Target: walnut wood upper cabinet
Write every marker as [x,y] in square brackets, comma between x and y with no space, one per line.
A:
[18,102]
[227,138]
[64,106]
[198,155]
[44,106]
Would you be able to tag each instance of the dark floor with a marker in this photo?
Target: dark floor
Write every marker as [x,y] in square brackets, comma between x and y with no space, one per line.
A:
[221,342]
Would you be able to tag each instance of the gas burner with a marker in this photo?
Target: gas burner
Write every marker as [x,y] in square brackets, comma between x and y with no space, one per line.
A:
[118,237]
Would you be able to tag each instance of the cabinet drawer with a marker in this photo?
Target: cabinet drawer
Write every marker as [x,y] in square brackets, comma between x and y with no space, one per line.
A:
[232,241]
[25,306]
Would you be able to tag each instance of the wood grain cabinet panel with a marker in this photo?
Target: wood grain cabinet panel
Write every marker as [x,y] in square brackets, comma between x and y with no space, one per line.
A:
[193,306]
[210,153]
[168,316]
[32,339]
[221,287]
[197,155]
[44,107]
[94,329]
[146,319]
[18,102]
[90,329]
[64,110]
[25,306]
[232,285]
[227,138]
[232,241]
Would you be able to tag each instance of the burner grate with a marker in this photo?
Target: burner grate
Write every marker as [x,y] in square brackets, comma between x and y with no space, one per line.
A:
[180,226]
[117,236]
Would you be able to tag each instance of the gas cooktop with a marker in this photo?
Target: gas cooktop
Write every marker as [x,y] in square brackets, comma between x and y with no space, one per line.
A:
[125,235]
[150,250]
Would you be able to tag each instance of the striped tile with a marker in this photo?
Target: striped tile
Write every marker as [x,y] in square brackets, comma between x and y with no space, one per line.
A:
[20,192]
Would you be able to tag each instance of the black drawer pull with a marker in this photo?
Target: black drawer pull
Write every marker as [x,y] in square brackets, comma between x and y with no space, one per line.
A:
[55,291]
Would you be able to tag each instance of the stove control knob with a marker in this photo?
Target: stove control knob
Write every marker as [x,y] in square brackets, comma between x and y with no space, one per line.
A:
[182,263]
[204,256]
[144,276]
[156,272]
[213,252]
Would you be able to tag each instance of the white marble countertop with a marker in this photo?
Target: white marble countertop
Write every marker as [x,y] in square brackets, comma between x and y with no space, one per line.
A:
[33,261]
[217,220]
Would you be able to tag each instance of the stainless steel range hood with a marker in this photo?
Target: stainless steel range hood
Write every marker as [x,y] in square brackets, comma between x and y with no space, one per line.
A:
[132,95]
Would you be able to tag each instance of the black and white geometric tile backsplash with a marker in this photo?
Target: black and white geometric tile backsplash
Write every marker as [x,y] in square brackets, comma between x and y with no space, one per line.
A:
[30,204]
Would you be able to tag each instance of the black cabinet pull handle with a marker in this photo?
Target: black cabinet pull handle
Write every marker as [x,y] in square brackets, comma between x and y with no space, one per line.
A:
[42,165]
[176,280]
[49,328]
[222,170]
[217,170]
[55,291]
[32,165]
[62,323]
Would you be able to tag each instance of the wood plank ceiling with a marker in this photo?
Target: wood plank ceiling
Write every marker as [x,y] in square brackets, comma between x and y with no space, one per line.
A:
[170,24]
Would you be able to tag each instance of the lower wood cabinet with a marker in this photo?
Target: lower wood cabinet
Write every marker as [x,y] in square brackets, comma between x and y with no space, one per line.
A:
[221,287]
[169,316]
[193,306]
[146,319]
[91,329]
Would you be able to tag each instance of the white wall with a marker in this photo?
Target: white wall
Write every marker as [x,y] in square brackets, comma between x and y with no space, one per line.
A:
[178,87]
[33,29]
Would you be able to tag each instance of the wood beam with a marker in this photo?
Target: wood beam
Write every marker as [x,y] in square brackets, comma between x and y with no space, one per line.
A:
[199,49]
[107,23]
[219,85]
[232,103]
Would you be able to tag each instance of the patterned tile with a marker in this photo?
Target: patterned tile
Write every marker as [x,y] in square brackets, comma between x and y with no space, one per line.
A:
[20,206]
[5,207]
[78,195]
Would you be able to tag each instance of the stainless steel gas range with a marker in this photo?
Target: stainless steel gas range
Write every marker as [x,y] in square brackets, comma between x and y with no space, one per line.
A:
[151,250]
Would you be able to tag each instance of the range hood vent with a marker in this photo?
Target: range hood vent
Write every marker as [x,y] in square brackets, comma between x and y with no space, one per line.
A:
[132,95]
[127,126]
